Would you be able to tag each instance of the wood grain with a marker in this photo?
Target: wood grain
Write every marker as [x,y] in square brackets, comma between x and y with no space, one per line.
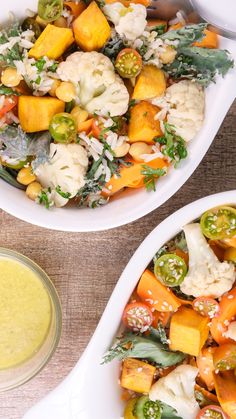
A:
[85,267]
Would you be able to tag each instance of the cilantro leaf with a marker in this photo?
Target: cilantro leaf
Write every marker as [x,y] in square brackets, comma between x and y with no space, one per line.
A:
[172,144]
[150,176]
[65,195]
[4,90]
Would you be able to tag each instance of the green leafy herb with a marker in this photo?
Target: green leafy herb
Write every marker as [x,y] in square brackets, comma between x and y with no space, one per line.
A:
[9,178]
[113,47]
[38,80]
[159,334]
[167,412]
[159,29]
[39,64]
[65,195]
[92,186]
[53,67]
[187,35]
[7,91]
[199,64]
[44,198]
[172,144]
[8,57]
[150,176]
[143,348]
[69,106]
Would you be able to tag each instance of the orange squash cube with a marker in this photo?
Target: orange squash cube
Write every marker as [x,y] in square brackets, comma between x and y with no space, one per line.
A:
[151,83]
[188,331]
[52,42]
[91,28]
[137,375]
[142,125]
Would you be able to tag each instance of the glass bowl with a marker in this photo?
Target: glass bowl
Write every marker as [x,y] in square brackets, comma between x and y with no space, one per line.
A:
[13,376]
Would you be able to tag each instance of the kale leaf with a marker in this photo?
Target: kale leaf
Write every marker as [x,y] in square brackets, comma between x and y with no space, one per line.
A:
[187,35]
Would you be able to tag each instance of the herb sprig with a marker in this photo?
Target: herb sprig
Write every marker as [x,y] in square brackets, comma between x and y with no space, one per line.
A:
[151,175]
[173,145]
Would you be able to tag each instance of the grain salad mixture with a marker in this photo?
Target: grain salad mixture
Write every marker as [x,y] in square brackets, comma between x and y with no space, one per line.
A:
[178,345]
[94,98]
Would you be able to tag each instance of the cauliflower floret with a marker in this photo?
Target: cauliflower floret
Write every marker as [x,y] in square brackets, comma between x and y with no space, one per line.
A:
[207,276]
[186,101]
[66,168]
[177,390]
[98,87]
[129,22]
[231,332]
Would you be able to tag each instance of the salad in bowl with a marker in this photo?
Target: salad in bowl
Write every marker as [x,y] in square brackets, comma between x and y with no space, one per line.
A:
[95,99]
[178,344]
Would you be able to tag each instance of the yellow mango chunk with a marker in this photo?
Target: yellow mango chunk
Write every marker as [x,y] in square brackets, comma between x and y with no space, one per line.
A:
[52,42]
[151,83]
[91,28]
[142,125]
[35,113]
[188,331]
[137,375]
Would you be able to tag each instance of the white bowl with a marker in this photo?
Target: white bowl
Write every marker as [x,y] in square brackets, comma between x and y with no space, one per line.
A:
[91,390]
[135,204]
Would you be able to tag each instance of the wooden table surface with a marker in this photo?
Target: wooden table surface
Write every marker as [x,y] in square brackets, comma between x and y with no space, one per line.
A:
[85,267]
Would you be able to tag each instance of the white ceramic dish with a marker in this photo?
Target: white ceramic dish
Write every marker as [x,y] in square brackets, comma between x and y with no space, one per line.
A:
[135,204]
[91,390]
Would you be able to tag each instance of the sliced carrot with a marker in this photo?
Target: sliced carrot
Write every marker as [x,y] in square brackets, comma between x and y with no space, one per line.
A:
[205,365]
[131,176]
[207,394]
[155,294]
[76,7]
[85,126]
[230,242]
[162,317]
[219,251]
[9,103]
[225,385]
[227,312]
[210,40]
[182,254]
[175,26]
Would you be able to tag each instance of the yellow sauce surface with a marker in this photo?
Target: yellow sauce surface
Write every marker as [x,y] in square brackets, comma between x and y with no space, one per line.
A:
[25,313]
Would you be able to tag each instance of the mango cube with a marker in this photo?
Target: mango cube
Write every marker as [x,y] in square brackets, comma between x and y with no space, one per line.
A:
[137,375]
[142,125]
[151,83]
[188,331]
[35,113]
[52,42]
[91,28]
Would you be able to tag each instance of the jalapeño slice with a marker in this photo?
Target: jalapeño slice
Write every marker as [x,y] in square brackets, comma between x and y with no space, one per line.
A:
[219,223]
[147,409]
[63,128]
[128,63]
[170,269]
[50,10]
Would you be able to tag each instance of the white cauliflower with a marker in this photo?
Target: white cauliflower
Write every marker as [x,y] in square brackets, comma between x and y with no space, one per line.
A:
[129,22]
[186,101]
[66,169]
[177,390]
[207,276]
[231,332]
[98,87]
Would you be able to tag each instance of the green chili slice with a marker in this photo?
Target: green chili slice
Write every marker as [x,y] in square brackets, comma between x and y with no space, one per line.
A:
[170,269]
[63,128]
[219,223]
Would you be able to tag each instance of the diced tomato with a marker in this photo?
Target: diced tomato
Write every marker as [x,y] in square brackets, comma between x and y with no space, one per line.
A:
[9,103]
[97,127]
[212,412]
[206,306]
[137,317]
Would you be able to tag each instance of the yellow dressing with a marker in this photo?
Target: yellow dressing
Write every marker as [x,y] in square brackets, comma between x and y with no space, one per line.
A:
[25,313]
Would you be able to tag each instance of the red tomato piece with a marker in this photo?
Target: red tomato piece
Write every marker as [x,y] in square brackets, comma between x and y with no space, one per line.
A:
[206,306]
[212,412]
[137,317]
[9,103]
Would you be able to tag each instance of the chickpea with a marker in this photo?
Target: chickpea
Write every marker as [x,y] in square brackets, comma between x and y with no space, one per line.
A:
[61,22]
[10,77]
[33,190]
[79,114]
[55,85]
[138,149]
[25,176]
[122,150]
[66,91]
[168,55]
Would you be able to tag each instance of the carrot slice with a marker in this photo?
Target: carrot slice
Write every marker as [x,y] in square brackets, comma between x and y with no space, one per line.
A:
[155,294]
[210,40]
[227,312]
[206,368]
[76,7]
[132,176]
